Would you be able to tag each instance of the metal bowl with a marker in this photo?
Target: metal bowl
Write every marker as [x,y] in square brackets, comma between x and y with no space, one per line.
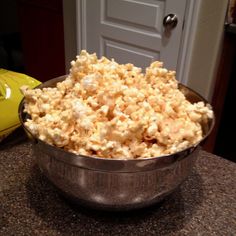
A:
[110,184]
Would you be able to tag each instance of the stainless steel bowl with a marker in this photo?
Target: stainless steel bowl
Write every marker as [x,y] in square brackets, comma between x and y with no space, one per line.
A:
[110,184]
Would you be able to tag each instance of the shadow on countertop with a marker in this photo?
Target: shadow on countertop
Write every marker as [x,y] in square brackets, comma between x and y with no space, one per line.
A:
[163,218]
[18,136]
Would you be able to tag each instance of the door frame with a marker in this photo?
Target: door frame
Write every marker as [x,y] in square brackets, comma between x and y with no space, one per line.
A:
[186,47]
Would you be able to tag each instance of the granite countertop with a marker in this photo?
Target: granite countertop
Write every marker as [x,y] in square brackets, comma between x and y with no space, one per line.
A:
[205,204]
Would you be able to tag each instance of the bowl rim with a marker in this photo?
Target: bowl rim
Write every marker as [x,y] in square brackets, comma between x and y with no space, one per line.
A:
[170,158]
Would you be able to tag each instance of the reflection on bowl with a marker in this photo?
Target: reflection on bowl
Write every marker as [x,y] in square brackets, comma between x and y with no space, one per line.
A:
[110,184]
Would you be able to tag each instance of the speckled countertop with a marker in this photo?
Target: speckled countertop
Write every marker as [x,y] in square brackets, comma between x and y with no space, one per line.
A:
[205,204]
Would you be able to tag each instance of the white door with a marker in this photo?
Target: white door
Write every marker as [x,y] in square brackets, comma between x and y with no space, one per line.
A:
[131,30]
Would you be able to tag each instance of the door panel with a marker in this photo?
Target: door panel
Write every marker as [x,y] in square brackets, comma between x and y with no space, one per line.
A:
[131,30]
[124,53]
[119,11]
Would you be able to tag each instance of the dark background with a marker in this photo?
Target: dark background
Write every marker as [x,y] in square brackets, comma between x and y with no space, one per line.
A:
[32,37]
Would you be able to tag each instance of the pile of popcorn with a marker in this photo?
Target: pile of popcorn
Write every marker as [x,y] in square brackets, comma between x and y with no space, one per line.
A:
[110,110]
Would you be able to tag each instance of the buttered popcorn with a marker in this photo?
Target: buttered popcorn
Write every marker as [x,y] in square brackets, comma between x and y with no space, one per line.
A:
[110,110]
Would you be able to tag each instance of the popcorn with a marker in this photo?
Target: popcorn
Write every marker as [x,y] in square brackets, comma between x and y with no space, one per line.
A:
[110,110]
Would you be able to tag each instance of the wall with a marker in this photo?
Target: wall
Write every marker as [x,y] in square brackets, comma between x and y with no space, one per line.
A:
[42,34]
[8,16]
[207,40]
[11,56]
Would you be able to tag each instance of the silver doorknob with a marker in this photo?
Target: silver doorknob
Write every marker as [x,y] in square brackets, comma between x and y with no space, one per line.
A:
[170,21]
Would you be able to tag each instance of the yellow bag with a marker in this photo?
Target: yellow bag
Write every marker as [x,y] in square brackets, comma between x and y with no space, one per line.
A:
[10,97]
